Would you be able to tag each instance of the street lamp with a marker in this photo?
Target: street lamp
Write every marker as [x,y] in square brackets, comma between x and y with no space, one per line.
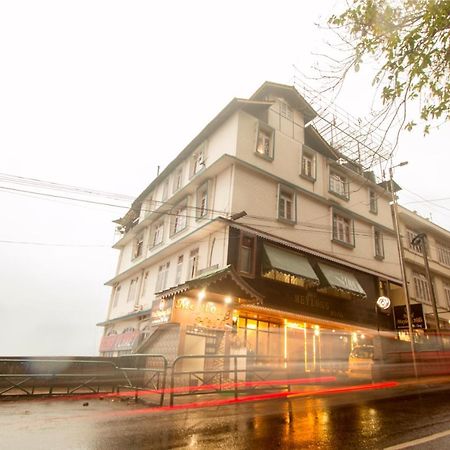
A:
[402,264]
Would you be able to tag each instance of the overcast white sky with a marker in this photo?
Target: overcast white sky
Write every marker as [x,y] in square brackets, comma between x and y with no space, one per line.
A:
[98,94]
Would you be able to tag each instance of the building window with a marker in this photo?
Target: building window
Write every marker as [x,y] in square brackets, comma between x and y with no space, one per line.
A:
[373,201]
[443,253]
[286,205]
[161,280]
[128,330]
[421,288]
[132,290]
[165,192]
[285,110]
[247,254]
[308,169]
[116,295]
[202,201]
[198,160]
[144,283]
[178,180]
[179,272]
[157,234]
[417,247]
[343,229]
[193,264]
[378,244]
[447,294]
[138,246]
[264,141]
[179,217]
[339,185]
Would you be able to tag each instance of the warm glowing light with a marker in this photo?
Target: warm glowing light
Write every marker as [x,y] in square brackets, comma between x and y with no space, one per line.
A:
[333,331]
[354,337]
[252,326]
[363,336]
[316,332]
[228,300]
[201,294]
[294,325]
[285,343]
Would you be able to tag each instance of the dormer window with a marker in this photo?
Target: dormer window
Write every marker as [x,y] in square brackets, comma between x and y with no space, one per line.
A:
[285,110]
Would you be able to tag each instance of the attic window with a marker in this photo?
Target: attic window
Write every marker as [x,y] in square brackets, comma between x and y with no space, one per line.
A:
[285,110]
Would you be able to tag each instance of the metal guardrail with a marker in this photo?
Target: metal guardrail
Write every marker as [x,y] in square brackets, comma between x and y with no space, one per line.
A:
[233,373]
[25,375]
[144,373]
[56,376]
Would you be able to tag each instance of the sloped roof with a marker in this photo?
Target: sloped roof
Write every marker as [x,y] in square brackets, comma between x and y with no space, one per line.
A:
[289,93]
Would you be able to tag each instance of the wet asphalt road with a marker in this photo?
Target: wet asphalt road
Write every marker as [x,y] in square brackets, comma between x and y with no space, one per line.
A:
[347,421]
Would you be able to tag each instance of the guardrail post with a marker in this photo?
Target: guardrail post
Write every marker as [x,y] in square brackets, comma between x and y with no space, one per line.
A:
[235,378]
[172,382]
[163,387]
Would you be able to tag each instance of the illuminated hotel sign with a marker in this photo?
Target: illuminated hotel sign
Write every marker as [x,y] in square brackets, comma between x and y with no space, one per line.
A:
[161,312]
[401,317]
[202,313]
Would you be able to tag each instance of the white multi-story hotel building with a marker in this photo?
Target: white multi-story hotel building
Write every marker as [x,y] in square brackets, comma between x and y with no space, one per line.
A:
[260,236]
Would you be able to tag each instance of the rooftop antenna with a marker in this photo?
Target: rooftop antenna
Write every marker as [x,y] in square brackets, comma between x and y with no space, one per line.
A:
[157,170]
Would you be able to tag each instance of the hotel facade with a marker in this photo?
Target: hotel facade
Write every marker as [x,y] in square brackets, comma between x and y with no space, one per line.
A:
[259,238]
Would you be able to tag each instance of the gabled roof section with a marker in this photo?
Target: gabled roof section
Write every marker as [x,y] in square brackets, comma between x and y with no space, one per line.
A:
[316,141]
[211,281]
[289,93]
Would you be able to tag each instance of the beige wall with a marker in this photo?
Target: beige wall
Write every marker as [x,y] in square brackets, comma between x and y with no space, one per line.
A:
[257,194]
[213,249]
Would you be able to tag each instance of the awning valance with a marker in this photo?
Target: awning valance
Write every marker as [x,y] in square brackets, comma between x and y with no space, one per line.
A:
[290,262]
[220,281]
[342,280]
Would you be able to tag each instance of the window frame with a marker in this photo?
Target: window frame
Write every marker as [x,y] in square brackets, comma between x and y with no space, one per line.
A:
[197,160]
[138,246]
[178,179]
[176,216]
[179,269]
[194,257]
[334,236]
[155,227]
[200,212]
[415,248]
[373,201]
[282,191]
[333,175]
[116,295]
[421,286]
[269,132]
[308,155]
[378,255]
[447,294]
[162,277]
[252,272]
[165,188]
[443,254]
[132,289]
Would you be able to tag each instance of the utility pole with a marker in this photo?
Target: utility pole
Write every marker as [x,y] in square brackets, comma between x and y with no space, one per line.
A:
[402,265]
[421,239]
